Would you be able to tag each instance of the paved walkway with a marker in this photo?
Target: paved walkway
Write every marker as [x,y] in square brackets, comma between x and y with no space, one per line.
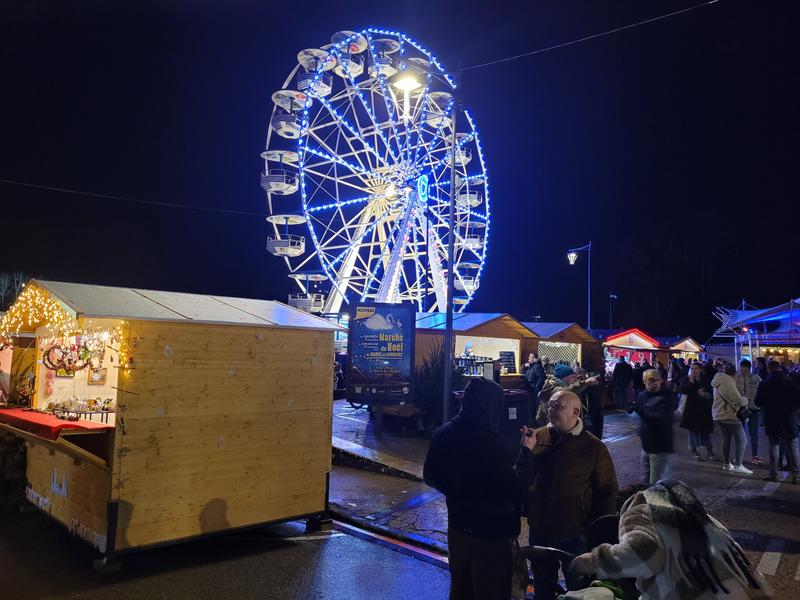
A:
[764,517]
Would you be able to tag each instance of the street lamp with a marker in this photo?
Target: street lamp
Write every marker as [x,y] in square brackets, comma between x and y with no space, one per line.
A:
[611,297]
[407,80]
[572,257]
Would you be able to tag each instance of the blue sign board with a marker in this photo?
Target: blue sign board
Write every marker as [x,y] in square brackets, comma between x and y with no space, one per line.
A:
[380,349]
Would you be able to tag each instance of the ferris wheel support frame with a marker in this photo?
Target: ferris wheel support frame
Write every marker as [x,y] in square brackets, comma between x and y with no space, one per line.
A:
[387,291]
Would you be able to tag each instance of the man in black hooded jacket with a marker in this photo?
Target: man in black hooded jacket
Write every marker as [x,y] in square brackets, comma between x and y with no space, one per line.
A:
[468,463]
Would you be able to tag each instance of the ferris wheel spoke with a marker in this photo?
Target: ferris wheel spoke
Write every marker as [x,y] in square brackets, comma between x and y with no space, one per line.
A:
[368,130]
[386,95]
[437,133]
[354,154]
[364,103]
[340,120]
[419,119]
[342,179]
[355,169]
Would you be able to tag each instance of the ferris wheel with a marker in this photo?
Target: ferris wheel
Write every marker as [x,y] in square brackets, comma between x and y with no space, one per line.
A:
[359,151]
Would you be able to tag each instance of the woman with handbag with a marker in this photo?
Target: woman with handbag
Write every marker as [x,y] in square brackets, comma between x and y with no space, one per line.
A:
[729,410]
[695,411]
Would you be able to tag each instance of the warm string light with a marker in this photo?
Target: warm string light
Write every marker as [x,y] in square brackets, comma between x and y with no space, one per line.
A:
[35,308]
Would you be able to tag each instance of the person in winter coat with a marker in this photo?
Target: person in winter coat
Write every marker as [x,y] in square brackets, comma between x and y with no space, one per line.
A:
[656,409]
[761,368]
[563,377]
[467,462]
[747,384]
[534,375]
[727,402]
[572,483]
[675,550]
[695,411]
[779,398]
[621,379]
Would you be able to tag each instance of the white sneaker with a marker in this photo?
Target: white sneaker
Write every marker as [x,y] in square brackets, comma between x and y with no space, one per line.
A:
[727,467]
[742,470]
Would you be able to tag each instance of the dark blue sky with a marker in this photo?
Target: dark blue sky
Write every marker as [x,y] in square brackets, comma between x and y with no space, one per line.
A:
[671,146]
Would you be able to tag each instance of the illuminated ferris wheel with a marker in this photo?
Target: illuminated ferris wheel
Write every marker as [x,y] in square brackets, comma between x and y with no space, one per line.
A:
[359,152]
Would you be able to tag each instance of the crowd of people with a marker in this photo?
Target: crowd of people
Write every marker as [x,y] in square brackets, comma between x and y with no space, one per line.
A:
[704,397]
[564,483]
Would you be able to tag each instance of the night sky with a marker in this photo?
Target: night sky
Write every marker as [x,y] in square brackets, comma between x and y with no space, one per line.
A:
[672,146]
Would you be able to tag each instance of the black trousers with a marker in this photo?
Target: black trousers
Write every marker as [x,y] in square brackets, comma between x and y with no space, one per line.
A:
[479,569]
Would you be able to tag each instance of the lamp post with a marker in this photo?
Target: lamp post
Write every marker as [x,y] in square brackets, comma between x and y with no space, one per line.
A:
[572,257]
[408,80]
[611,297]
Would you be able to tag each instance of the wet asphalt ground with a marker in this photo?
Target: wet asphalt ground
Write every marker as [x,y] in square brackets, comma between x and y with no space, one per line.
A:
[40,560]
[763,517]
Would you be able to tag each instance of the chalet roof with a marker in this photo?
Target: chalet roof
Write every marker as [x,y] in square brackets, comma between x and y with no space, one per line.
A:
[466,322]
[100,301]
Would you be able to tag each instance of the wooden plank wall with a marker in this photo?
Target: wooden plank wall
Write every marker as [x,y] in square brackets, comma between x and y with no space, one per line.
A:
[220,427]
[72,491]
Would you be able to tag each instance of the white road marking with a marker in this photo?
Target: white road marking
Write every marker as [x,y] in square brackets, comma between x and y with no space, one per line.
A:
[312,538]
[349,419]
[617,438]
[770,487]
[771,557]
[797,575]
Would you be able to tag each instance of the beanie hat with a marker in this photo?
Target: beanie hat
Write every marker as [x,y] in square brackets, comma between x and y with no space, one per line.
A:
[562,371]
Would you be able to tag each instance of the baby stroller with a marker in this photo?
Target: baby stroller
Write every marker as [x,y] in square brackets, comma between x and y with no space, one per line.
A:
[603,530]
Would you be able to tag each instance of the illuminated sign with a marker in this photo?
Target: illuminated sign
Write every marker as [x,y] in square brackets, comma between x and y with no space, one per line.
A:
[422,188]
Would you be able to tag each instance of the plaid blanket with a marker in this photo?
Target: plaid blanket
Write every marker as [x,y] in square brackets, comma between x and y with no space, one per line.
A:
[676,551]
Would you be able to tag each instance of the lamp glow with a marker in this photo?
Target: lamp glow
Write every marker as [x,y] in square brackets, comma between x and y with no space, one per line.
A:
[572,257]
[407,81]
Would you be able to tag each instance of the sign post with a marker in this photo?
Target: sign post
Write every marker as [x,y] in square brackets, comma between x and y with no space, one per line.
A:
[380,347]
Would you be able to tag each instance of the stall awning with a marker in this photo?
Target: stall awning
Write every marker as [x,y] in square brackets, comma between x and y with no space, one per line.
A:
[87,301]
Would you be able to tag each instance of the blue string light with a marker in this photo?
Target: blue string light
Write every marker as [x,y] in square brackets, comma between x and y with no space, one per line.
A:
[411,167]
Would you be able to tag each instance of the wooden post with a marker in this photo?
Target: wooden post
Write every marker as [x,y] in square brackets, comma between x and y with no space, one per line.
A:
[377,410]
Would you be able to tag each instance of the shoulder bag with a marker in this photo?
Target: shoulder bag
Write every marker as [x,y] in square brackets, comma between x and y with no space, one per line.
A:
[742,414]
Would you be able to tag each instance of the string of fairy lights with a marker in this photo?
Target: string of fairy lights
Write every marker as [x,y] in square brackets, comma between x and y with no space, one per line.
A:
[37,310]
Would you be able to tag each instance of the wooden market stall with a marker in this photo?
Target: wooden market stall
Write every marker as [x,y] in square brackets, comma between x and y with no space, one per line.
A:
[636,346]
[489,336]
[17,359]
[567,343]
[686,348]
[182,414]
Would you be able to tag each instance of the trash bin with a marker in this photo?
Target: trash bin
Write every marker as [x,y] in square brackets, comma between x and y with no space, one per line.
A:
[517,411]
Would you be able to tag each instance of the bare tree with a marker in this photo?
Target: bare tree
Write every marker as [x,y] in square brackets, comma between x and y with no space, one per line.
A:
[18,281]
[11,285]
[5,290]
